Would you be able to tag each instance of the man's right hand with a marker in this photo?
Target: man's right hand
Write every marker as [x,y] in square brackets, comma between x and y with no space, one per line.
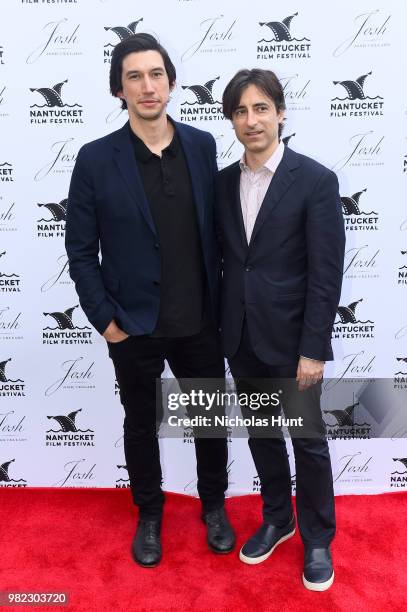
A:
[113,333]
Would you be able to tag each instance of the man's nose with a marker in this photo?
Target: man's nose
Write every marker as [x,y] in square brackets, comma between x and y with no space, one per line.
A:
[147,84]
[251,118]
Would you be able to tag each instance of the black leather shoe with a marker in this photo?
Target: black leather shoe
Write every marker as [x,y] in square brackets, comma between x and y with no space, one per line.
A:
[146,547]
[260,546]
[220,535]
[318,571]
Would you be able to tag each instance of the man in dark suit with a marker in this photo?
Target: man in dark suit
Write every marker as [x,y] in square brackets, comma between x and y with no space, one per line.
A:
[144,196]
[282,235]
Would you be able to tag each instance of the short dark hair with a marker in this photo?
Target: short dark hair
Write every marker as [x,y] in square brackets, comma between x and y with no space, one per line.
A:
[136,44]
[265,80]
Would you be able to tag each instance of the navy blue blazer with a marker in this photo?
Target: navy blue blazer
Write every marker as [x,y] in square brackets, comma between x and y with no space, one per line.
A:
[108,210]
[288,279]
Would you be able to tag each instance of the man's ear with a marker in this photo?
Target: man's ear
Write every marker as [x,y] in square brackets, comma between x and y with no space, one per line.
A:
[172,87]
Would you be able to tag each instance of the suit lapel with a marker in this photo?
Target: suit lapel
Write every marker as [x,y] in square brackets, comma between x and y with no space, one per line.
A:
[127,165]
[281,181]
[195,171]
[237,204]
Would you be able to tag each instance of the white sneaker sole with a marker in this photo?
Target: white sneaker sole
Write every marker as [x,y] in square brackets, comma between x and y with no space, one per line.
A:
[256,560]
[318,586]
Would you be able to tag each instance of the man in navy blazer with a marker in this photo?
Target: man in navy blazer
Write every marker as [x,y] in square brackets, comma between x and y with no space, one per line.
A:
[282,236]
[143,197]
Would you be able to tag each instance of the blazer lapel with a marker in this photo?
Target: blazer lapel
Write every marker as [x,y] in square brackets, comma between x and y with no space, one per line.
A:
[237,204]
[280,183]
[127,165]
[195,172]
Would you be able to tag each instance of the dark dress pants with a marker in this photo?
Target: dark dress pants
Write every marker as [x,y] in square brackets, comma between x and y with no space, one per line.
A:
[314,483]
[138,362]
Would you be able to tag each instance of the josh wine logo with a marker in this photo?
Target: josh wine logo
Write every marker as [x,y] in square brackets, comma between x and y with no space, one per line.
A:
[7,216]
[60,274]
[12,427]
[10,324]
[62,160]
[369,30]
[354,468]
[278,42]
[10,282]
[398,478]
[1,55]
[77,374]
[10,387]
[217,35]
[64,330]
[201,103]
[57,38]
[54,110]
[123,482]
[67,432]
[361,262]
[6,173]
[296,92]
[8,479]
[356,219]
[356,103]
[52,223]
[76,474]
[402,271]
[120,33]
[342,423]
[365,150]
[348,326]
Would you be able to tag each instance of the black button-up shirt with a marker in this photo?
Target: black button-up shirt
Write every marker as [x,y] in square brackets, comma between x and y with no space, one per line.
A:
[168,188]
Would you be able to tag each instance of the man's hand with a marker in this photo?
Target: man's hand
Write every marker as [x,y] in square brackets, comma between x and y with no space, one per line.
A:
[309,372]
[113,333]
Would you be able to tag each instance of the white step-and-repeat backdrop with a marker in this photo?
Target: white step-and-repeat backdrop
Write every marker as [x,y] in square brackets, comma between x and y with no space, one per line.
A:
[342,70]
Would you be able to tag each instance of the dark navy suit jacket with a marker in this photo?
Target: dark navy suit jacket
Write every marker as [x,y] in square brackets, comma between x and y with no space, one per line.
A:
[108,211]
[288,279]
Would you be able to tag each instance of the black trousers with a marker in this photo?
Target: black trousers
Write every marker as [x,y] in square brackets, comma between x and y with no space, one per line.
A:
[138,362]
[314,483]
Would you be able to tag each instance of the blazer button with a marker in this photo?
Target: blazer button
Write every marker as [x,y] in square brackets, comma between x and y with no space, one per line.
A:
[156,282]
[248,268]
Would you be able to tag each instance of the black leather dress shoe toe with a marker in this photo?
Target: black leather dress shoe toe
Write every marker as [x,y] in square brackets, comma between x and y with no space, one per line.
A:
[146,547]
[220,535]
[260,546]
[318,570]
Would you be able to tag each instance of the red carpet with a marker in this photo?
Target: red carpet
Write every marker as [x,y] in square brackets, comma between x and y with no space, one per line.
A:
[78,541]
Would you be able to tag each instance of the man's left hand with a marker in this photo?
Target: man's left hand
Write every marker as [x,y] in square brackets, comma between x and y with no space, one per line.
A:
[309,372]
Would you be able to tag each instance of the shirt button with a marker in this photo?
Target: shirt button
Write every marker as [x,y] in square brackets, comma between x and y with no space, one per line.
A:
[248,268]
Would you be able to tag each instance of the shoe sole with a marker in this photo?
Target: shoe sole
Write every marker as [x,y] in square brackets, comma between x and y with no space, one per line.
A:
[221,552]
[256,560]
[318,586]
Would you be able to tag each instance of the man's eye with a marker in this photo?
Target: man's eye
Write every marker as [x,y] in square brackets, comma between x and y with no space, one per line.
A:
[262,108]
[156,74]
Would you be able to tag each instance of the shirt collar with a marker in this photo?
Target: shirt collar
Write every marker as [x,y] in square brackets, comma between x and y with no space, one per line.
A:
[143,153]
[271,164]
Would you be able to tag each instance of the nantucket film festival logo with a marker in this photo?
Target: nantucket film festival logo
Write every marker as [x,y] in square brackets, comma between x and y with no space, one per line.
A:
[355,218]
[10,384]
[64,431]
[60,160]
[6,172]
[59,38]
[361,262]
[280,41]
[53,219]
[346,422]
[348,325]
[256,484]
[54,109]
[61,329]
[201,103]
[402,270]
[10,281]
[398,477]
[400,377]
[368,30]
[353,101]
[10,477]
[7,215]
[364,149]
[213,36]
[10,323]
[77,374]
[116,35]
[123,481]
